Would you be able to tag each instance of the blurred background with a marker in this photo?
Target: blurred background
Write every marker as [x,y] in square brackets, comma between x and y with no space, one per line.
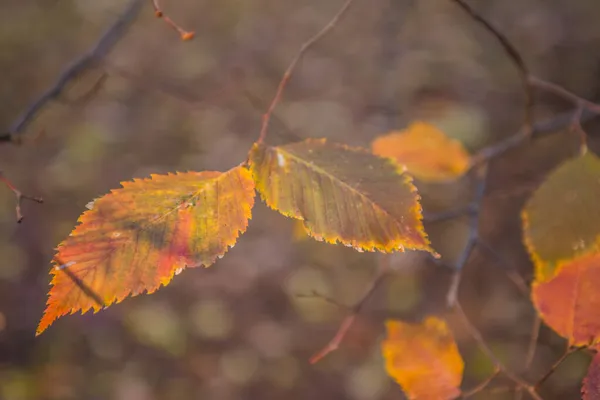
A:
[240,329]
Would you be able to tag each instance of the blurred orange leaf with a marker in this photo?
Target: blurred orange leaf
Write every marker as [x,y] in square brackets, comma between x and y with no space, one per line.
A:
[137,237]
[561,221]
[569,302]
[341,194]
[427,153]
[591,384]
[424,359]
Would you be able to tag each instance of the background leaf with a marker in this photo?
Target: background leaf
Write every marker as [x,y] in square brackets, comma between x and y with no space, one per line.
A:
[561,220]
[137,237]
[427,153]
[569,302]
[424,359]
[342,194]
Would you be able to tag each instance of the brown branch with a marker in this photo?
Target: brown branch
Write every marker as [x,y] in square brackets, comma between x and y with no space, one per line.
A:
[100,49]
[564,93]
[531,389]
[481,386]
[288,72]
[19,195]
[159,13]
[514,55]
[568,351]
[346,324]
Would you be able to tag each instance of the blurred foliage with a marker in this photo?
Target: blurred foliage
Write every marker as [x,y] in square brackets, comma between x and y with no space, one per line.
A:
[238,329]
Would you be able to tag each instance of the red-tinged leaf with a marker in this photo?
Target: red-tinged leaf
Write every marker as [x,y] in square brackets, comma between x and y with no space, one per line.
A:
[341,194]
[424,359]
[136,238]
[427,153]
[569,302]
[561,221]
[590,390]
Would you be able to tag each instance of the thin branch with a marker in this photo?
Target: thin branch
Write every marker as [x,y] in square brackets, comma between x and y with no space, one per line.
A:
[482,385]
[449,214]
[100,49]
[531,389]
[540,129]
[564,93]
[19,196]
[159,13]
[557,363]
[533,339]
[334,343]
[510,271]
[514,55]
[315,295]
[472,239]
[288,72]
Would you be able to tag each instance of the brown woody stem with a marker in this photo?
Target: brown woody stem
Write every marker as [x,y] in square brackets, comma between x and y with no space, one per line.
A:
[290,69]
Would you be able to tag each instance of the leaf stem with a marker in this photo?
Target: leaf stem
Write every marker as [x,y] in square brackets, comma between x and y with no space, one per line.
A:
[19,196]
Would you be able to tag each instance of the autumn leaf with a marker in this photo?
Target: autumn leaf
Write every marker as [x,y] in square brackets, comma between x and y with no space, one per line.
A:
[341,194]
[561,221]
[591,383]
[427,153]
[424,359]
[569,302]
[136,238]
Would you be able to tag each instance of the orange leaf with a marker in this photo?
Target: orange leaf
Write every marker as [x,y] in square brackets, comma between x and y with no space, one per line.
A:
[341,194]
[137,237]
[569,302]
[591,384]
[427,153]
[423,359]
[561,221]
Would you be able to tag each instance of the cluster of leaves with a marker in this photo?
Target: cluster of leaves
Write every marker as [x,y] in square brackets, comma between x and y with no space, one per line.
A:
[138,237]
[565,250]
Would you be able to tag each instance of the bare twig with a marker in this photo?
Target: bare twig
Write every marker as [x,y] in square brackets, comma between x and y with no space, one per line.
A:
[514,55]
[288,72]
[568,351]
[540,129]
[334,343]
[472,239]
[564,93]
[159,13]
[100,49]
[20,196]
[531,389]
[315,295]
[533,339]
[482,385]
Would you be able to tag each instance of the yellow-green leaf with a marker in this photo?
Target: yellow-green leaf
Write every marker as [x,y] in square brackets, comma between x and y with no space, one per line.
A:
[424,359]
[561,221]
[341,194]
[427,153]
[137,237]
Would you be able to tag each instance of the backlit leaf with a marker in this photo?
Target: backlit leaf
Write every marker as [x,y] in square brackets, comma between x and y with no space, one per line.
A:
[591,384]
[341,194]
[561,221]
[427,153]
[569,302]
[424,359]
[135,238]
